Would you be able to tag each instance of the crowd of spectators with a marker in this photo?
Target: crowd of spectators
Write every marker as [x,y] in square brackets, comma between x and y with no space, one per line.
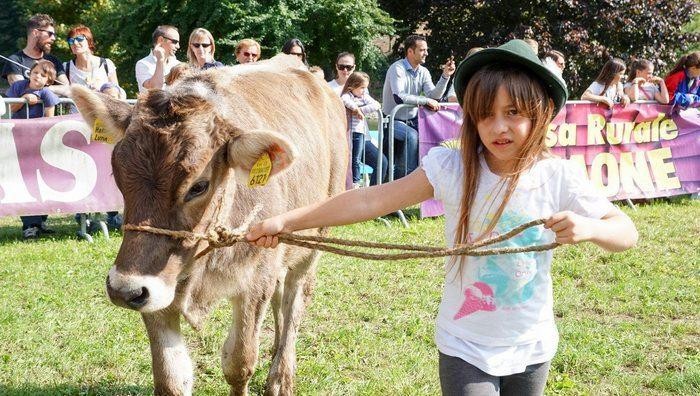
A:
[39,77]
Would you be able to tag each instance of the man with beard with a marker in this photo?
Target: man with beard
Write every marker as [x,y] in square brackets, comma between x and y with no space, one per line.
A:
[408,82]
[40,36]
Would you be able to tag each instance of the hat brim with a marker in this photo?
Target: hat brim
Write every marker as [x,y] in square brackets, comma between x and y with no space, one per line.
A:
[554,86]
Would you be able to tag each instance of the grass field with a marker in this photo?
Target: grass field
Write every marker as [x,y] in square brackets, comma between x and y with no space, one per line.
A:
[629,322]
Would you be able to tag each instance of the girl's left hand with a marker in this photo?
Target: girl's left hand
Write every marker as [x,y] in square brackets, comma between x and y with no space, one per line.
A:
[570,228]
[625,100]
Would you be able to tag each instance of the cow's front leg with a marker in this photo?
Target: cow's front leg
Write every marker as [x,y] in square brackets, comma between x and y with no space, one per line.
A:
[295,296]
[172,367]
[240,352]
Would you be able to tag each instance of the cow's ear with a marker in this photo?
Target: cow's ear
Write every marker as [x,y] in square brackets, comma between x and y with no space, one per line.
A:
[245,149]
[114,114]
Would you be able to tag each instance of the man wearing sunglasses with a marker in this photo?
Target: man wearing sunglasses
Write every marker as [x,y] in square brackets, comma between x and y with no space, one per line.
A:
[40,36]
[151,70]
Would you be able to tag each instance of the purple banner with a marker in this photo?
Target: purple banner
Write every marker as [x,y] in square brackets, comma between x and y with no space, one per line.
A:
[640,151]
[52,165]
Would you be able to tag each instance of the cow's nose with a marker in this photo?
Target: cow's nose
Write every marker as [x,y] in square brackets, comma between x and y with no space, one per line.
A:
[134,298]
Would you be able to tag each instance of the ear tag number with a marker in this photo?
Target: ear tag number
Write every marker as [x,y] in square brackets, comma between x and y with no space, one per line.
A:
[100,134]
[260,172]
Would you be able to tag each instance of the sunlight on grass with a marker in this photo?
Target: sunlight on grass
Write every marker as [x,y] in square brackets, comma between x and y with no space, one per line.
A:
[629,322]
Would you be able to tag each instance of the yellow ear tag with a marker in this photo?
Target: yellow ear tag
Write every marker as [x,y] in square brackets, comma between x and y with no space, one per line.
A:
[260,172]
[100,134]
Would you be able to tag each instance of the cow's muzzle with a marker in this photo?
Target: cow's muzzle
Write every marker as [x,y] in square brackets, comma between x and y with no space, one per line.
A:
[128,298]
[143,293]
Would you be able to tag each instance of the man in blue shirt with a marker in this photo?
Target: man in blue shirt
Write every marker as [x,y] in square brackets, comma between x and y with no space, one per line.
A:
[407,82]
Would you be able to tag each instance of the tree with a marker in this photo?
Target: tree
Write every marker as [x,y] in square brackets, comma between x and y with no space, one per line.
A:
[588,32]
[326,27]
[123,29]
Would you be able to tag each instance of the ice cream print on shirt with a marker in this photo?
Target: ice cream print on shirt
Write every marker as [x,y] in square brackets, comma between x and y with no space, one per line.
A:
[504,281]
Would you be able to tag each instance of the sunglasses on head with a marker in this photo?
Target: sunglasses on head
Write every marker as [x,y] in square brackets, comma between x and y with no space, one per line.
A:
[204,45]
[171,40]
[76,39]
[50,33]
[345,67]
[250,54]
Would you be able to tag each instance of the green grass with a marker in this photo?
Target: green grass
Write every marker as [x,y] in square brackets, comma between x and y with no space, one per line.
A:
[629,322]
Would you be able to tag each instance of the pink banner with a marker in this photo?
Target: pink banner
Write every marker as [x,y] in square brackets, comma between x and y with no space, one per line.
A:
[639,151]
[52,165]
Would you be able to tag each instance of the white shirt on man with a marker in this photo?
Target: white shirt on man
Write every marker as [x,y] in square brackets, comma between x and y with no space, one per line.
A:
[146,67]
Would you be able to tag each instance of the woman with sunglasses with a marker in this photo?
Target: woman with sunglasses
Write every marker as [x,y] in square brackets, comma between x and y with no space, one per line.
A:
[98,74]
[200,50]
[344,66]
[295,47]
[87,69]
[247,51]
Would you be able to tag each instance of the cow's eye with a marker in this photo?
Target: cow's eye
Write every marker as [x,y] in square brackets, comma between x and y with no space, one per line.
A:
[198,189]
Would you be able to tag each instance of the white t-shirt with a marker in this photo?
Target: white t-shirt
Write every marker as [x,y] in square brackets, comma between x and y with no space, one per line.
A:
[496,312]
[93,79]
[646,91]
[613,92]
[337,88]
[146,67]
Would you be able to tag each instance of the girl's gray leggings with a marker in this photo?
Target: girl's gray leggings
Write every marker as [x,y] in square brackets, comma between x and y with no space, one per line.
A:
[459,378]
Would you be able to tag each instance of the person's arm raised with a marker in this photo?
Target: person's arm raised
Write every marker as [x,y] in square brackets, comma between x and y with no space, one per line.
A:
[346,208]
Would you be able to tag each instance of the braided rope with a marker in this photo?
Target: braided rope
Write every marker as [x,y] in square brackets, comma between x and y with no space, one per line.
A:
[221,236]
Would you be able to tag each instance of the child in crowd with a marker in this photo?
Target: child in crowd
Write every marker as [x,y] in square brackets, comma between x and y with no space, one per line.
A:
[41,102]
[177,73]
[113,90]
[683,82]
[35,92]
[358,104]
[495,328]
[607,87]
[644,85]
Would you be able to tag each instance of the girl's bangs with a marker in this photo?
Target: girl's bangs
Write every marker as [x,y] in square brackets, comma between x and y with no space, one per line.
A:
[525,91]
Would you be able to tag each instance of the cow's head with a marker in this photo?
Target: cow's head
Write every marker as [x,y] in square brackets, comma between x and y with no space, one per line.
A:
[174,156]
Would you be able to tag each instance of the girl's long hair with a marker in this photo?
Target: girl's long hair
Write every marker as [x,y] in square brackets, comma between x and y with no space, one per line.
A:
[355,80]
[607,73]
[531,100]
[686,61]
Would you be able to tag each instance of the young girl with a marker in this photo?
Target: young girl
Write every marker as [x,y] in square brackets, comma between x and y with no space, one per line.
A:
[644,85]
[359,103]
[683,82]
[495,326]
[607,88]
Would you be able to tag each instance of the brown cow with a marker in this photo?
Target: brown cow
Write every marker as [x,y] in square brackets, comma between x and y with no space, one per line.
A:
[179,150]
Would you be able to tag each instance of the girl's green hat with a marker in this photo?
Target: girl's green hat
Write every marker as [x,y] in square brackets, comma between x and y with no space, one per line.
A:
[515,52]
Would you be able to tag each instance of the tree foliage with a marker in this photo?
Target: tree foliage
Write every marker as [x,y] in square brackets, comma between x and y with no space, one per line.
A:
[123,28]
[587,32]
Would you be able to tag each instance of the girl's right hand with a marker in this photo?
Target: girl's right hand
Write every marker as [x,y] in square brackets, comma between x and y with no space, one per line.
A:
[264,234]
[638,80]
